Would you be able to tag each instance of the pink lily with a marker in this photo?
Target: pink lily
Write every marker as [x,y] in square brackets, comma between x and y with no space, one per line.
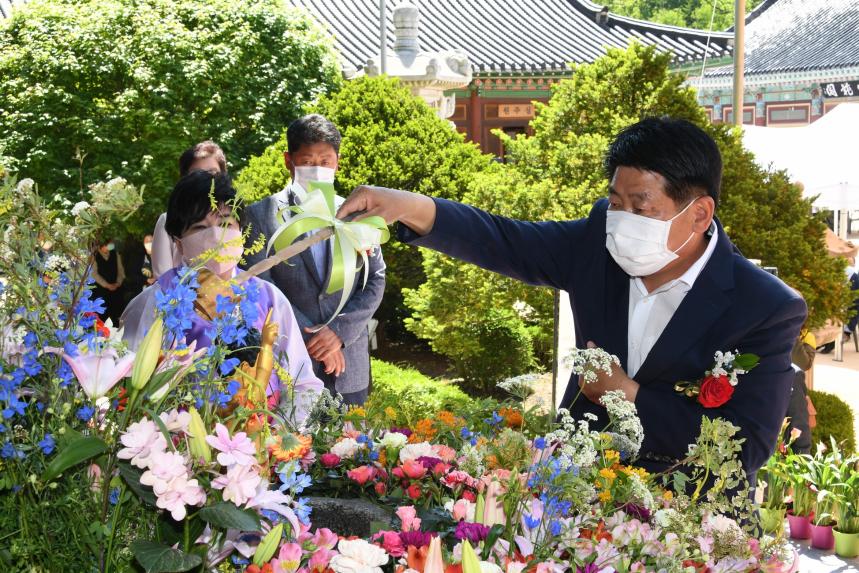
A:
[98,373]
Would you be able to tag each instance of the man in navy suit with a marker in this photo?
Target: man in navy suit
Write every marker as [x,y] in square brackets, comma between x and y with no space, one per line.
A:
[653,279]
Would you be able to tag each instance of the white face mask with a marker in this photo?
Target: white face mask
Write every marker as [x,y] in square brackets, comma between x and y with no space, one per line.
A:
[638,244]
[307,173]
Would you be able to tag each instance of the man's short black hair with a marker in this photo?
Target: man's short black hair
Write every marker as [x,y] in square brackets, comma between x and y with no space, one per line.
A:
[310,129]
[677,149]
[190,200]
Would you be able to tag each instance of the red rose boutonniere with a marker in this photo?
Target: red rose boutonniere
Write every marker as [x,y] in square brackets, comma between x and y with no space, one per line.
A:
[717,385]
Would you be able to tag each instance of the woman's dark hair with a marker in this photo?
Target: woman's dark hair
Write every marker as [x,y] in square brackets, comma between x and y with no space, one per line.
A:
[678,150]
[201,151]
[311,129]
[190,200]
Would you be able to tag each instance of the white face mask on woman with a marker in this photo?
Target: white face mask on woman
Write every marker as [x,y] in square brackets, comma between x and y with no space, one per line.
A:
[638,244]
[227,240]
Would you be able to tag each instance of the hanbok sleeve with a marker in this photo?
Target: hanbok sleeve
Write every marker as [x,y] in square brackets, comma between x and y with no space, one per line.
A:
[163,250]
[138,317]
[290,344]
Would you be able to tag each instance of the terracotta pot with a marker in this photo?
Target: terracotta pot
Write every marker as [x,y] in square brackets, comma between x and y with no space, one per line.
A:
[846,544]
[772,520]
[821,537]
[800,526]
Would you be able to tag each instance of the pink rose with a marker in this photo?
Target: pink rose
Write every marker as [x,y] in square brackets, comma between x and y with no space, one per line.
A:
[391,542]
[413,469]
[329,460]
[361,474]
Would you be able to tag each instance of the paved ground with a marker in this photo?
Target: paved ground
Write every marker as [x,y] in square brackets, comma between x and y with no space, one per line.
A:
[840,378]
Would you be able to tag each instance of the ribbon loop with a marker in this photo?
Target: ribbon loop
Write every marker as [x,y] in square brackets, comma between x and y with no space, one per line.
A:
[350,238]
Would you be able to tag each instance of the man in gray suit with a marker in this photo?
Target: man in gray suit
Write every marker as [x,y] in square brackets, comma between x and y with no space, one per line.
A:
[340,350]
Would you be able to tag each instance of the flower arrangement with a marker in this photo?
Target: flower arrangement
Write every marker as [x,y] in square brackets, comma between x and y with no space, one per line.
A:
[162,460]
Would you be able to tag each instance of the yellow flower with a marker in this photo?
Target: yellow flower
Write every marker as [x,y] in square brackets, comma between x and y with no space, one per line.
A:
[668,495]
[608,474]
[391,413]
[611,456]
[358,411]
[604,496]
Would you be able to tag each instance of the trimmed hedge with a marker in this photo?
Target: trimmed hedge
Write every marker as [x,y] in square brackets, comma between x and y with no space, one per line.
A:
[834,418]
[412,395]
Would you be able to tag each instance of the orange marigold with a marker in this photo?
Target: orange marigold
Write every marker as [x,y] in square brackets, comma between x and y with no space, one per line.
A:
[512,417]
[447,418]
[424,431]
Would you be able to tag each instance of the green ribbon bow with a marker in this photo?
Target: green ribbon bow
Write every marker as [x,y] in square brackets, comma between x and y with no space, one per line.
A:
[351,238]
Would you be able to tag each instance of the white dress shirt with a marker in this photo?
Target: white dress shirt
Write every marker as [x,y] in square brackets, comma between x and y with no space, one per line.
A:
[649,313]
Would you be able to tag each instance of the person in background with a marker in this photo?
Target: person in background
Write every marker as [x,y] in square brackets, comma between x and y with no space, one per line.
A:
[146,267]
[341,349]
[853,278]
[109,275]
[800,409]
[205,156]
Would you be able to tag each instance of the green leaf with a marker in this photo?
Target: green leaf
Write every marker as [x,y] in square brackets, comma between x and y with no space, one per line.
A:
[76,452]
[227,516]
[746,361]
[131,475]
[268,545]
[496,532]
[157,558]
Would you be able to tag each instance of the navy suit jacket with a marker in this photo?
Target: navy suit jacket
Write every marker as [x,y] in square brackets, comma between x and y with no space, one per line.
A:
[733,305]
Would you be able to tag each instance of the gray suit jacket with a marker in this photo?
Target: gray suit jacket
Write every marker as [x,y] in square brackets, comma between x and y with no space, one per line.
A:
[299,280]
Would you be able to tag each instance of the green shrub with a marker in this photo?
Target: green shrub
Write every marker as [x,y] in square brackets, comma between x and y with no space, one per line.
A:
[391,139]
[132,83]
[411,395]
[834,418]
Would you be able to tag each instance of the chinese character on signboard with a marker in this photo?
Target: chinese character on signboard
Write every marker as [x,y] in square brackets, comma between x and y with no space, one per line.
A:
[840,89]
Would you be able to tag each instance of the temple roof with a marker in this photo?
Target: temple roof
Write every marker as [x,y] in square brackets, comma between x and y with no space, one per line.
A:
[799,35]
[510,35]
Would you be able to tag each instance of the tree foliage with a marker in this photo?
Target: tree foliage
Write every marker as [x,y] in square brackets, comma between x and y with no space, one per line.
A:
[120,87]
[557,174]
[689,13]
[391,139]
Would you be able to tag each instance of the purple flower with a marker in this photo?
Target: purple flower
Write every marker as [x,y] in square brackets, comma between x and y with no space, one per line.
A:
[473,532]
[404,431]
[429,462]
[589,568]
[416,538]
[636,511]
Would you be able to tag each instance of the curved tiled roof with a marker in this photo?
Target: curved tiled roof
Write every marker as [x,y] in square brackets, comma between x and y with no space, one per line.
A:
[798,35]
[508,35]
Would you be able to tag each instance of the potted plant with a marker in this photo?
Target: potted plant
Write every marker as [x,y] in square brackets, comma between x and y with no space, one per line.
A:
[774,506]
[802,509]
[823,475]
[846,494]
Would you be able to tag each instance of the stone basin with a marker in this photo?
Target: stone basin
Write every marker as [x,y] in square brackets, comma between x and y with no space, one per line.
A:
[347,517]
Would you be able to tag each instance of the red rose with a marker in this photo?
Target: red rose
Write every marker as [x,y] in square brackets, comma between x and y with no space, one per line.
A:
[715,391]
[414,491]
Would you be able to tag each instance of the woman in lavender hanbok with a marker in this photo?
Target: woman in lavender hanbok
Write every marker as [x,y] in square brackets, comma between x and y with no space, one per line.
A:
[212,235]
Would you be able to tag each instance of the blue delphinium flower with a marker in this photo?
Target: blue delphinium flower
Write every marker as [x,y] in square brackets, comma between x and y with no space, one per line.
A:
[295,482]
[176,303]
[14,406]
[114,496]
[85,413]
[248,294]
[47,444]
[540,443]
[302,510]
[8,450]
[228,366]
[65,373]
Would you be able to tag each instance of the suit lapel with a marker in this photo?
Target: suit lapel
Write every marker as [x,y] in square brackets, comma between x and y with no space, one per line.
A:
[705,302]
[285,200]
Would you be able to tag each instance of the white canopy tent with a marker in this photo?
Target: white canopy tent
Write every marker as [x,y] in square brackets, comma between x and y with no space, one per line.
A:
[822,156]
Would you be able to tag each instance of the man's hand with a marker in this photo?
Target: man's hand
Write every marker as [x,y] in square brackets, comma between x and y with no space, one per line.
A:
[413,210]
[617,380]
[335,363]
[323,343]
